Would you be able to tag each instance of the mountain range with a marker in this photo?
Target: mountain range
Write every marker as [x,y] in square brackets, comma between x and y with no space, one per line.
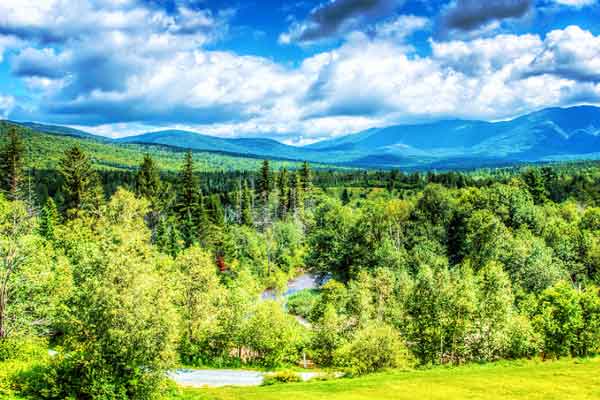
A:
[547,135]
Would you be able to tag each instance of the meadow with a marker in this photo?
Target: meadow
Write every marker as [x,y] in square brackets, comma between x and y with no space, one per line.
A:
[529,379]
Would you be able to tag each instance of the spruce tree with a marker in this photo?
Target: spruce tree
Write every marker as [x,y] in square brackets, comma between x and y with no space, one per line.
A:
[81,184]
[247,206]
[147,180]
[264,188]
[48,219]
[188,194]
[306,176]
[345,196]
[282,184]
[294,194]
[264,182]
[11,163]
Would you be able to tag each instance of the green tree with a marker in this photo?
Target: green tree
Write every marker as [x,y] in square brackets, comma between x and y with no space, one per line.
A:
[263,185]
[147,180]
[494,311]
[559,318]
[282,185]
[306,178]
[48,219]
[11,164]
[199,290]
[120,324]
[81,185]
[247,218]
[34,278]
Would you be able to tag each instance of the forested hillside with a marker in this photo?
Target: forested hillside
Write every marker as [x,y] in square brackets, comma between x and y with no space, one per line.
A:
[414,270]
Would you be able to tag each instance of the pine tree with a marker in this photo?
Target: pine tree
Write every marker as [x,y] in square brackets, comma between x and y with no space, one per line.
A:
[282,184]
[188,195]
[264,188]
[147,180]
[295,194]
[81,184]
[345,196]
[247,206]
[306,176]
[264,182]
[391,184]
[237,203]
[48,219]
[11,163]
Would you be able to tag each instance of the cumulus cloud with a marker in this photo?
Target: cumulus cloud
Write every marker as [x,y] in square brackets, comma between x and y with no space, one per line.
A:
[571,53]
[467,15]
[156,71]
[338,16]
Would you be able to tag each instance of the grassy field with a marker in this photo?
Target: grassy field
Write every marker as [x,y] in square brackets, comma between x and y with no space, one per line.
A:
[560,380]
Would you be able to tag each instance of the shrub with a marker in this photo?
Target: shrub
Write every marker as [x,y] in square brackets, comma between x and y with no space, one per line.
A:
[22,349]
[523,341]
[302,302]
[273,336]
[372,349]
[281,377]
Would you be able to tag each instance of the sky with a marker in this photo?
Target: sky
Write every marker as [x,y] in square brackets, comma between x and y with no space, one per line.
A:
[297,71]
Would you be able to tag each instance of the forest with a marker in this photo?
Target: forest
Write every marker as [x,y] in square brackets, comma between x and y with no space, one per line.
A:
[126,274]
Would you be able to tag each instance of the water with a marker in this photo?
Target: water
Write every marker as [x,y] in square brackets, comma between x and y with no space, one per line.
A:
[302,282]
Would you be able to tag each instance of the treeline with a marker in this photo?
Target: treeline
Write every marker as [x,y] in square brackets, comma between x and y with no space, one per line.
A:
[417,270]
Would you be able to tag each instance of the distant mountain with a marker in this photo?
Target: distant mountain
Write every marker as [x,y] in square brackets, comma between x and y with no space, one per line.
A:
[60,130]
[550,134]
[195,141]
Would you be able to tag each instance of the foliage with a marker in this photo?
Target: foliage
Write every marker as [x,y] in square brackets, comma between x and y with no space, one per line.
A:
[281,377]
[373,348]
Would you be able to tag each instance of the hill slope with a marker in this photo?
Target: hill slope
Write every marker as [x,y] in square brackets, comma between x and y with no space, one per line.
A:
[550,134]
[45,149]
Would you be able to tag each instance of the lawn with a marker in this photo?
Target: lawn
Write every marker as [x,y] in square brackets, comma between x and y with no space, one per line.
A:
[565,379]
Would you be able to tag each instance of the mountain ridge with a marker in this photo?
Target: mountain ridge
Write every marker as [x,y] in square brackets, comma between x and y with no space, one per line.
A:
[549,133]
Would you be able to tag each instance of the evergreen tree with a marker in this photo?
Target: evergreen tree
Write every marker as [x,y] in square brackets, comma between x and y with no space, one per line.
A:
[81,185]
[264,182]
[147,180]
[295,194]
[11,163]
[188,195]
[48,219]
[306,176]
[345,196]
[237,203]
[247,218]
[282,184]
[391,184]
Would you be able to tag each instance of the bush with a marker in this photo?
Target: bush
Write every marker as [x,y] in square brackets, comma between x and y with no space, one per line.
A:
[372,349]
[23,349]
[523,341]
[281,377]
[273,336]
[302,302]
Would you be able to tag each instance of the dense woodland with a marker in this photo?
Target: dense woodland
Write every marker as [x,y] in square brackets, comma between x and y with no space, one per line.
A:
[126,274]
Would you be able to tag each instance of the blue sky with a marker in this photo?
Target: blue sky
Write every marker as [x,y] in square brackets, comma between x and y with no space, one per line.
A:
[297,71]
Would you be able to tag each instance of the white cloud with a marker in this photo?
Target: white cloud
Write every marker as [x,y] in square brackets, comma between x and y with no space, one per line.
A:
[6,105]
[575,3]
[121,66]
[571,53]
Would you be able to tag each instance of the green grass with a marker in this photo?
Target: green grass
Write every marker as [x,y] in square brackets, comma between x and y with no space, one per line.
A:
[560,380]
